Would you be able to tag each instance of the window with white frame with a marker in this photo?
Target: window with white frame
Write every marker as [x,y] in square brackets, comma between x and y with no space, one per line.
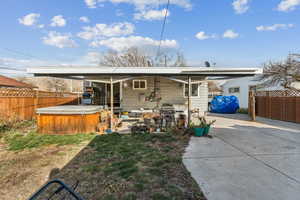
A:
[234,90]
[139,84]
[194,90]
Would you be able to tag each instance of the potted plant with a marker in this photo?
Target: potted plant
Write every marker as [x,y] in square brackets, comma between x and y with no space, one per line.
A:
[202,127]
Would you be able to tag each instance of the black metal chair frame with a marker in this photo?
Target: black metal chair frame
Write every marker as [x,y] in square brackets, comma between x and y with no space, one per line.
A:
[62,187]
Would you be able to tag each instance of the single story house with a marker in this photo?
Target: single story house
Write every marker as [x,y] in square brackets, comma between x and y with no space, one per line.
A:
[132,88]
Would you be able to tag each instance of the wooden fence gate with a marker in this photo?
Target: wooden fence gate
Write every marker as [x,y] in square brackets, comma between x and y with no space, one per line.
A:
[280,105]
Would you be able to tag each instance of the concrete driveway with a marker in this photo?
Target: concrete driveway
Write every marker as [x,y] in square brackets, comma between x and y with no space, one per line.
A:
[247,160]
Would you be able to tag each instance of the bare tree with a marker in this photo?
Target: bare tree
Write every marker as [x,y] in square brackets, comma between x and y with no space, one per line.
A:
[25,80]
[213,87]
[135,57]
[56,85]
[282,73]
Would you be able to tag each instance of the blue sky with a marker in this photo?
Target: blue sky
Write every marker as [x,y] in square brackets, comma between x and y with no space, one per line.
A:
[233,33]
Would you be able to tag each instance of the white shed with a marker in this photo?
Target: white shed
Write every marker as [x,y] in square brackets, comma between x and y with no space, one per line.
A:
[240,88]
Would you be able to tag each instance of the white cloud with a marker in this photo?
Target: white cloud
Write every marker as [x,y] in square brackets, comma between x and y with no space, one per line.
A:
[240,6]
[93,57]
[141,4]
[230,34]
[288,5]
[274,27]
[59,40]
[30,19]
[104,30]
[58,21]
[152,15]
[84,19]
[91,3]
[203,36]
[123,43]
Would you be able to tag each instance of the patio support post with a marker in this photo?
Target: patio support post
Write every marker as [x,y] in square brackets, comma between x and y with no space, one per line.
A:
[111,102]
[189,101]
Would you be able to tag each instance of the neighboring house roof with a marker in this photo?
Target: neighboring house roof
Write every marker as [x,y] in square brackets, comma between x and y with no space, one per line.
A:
[94,70]
[245,82]
[10,82]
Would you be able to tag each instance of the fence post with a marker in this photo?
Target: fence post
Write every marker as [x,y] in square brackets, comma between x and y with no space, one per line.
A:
[297,104]
[249,103]
[269,105]
[36,102]
[252,105]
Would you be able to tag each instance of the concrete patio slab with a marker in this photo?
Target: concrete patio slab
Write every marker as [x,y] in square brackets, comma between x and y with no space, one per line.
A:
[257,140]
[247,160]
[240,178]
[289,164]
[202,148]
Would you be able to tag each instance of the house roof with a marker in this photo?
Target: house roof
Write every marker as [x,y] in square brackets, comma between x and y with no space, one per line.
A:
[98,70]
[10,82]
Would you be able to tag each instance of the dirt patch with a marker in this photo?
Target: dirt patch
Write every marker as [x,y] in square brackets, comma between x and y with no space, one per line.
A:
[22,173]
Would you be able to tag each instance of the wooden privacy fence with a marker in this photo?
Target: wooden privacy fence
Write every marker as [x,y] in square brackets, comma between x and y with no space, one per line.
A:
[20,104]
[278,104]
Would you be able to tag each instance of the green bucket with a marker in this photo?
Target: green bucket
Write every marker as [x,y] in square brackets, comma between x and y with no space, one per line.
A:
[199,132]
[206,130]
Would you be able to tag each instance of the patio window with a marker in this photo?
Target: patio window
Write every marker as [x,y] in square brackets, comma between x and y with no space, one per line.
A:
[194,90]
[139,84]
[234,90]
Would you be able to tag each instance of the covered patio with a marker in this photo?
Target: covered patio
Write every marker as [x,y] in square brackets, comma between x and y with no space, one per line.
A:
[176,91]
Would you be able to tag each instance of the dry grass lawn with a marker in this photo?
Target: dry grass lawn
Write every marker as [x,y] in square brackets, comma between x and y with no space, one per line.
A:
[109,167]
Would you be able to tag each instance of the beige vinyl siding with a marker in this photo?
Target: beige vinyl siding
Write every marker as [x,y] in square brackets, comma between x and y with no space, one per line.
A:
[170,92]
[201,102]
[134,99]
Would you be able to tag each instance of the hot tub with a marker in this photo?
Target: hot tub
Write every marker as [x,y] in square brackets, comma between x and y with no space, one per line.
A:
[70,119]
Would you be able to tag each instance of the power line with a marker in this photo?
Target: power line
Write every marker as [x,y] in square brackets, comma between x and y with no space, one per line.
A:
[7,67]
[163,28]
[28,56]
[11,74]
[20,53]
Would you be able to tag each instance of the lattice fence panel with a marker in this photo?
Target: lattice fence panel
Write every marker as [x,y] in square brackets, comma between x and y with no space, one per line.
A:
[279,93]
[16,92]
[20,92]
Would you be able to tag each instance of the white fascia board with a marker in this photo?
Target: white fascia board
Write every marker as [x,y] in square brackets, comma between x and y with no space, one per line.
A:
[88,70]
